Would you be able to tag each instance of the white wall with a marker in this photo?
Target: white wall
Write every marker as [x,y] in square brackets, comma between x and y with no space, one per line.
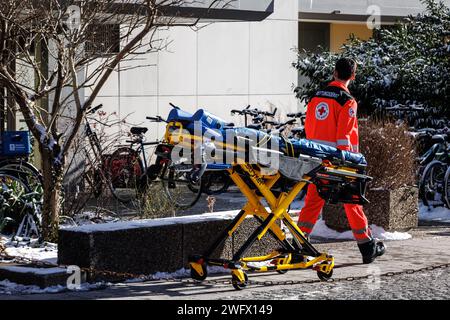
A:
[223,66]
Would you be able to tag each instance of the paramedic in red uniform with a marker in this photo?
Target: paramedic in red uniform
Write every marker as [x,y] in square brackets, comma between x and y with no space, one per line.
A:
[331,120]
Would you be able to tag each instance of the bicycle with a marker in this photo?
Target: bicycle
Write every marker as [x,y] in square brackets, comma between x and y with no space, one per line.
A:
[447,187]
[95,174]
[298,132]
[97,165]
[259,119]
[432,143]
[20,187]
[218,181]
[20,206]
[129,170]
[433,167]
[14,155]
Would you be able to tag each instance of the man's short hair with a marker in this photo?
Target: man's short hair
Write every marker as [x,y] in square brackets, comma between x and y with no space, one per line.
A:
[345,67]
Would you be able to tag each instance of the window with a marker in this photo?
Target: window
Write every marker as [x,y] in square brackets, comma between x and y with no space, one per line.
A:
[103,39]
[312,36]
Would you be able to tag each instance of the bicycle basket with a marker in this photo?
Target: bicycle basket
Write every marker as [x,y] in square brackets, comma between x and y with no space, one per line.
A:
[15,143]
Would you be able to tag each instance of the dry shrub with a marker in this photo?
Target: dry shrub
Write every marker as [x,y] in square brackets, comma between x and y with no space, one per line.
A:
[154,203]
[390,154]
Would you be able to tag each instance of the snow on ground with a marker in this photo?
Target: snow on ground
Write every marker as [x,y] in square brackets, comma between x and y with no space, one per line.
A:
[46,252]
[145,223]
[322,231]
[440,214]
[116,224]
[11,288]
[34,270]
[88,217]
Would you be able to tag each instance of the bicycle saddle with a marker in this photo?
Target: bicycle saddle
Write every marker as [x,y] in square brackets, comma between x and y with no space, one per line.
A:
[138,130]
[438,138]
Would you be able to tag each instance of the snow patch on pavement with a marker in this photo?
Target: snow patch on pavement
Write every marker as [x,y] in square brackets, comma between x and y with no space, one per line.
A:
[440,214]
[11,288]
[321,230]
[37,271]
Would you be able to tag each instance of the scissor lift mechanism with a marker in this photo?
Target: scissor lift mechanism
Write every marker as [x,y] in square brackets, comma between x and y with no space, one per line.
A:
[281,259]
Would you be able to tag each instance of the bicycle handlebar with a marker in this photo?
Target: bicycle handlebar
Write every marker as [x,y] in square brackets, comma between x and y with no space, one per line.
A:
[273,123]
[251,112]
[153,143]
[254,112]
[289,122]
[296,115]
[156,119]
[267,113]
[174,106]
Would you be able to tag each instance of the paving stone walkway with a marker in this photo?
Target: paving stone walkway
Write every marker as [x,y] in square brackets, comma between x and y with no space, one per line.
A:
[429,246]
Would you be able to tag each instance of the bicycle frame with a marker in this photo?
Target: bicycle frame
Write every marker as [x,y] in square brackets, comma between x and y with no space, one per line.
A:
[93,140]
[141,150]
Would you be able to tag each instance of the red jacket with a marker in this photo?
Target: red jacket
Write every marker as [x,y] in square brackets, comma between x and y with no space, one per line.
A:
[331,118]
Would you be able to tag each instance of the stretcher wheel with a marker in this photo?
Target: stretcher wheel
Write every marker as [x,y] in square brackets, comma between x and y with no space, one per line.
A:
[279,261]
[196,275]
[324,276]
[237,284]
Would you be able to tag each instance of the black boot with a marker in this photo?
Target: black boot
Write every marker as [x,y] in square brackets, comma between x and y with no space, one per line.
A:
[370,250]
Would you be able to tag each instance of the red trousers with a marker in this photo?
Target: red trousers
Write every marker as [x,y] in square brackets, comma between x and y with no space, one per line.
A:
[313,206]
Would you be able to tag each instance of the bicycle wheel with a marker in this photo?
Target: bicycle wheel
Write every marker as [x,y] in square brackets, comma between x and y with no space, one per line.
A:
[447,188]
[181,191]
[15,199]
[216,182]
[29,173]
[124,171]
[431,188]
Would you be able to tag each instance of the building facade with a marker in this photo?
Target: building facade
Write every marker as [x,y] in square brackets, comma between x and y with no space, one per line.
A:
[220,66]
[227,65]
[237,57]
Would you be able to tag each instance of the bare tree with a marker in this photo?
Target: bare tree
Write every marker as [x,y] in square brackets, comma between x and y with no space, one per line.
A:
[58,41]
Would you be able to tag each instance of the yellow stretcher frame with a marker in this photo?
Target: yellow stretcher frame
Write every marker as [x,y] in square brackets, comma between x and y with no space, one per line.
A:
[281,259]
[323,263]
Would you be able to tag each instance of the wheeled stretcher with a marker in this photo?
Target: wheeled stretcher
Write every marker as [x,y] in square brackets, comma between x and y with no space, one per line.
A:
[338,175]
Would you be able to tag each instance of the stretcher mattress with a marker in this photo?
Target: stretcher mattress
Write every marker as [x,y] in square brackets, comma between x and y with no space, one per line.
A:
[314,149]
[214,126]
[296,147]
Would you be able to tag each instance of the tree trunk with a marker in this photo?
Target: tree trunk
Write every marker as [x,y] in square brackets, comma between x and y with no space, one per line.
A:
[52,175]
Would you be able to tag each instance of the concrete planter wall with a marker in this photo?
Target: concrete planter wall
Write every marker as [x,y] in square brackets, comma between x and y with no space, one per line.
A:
[149,246]
[393,210]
